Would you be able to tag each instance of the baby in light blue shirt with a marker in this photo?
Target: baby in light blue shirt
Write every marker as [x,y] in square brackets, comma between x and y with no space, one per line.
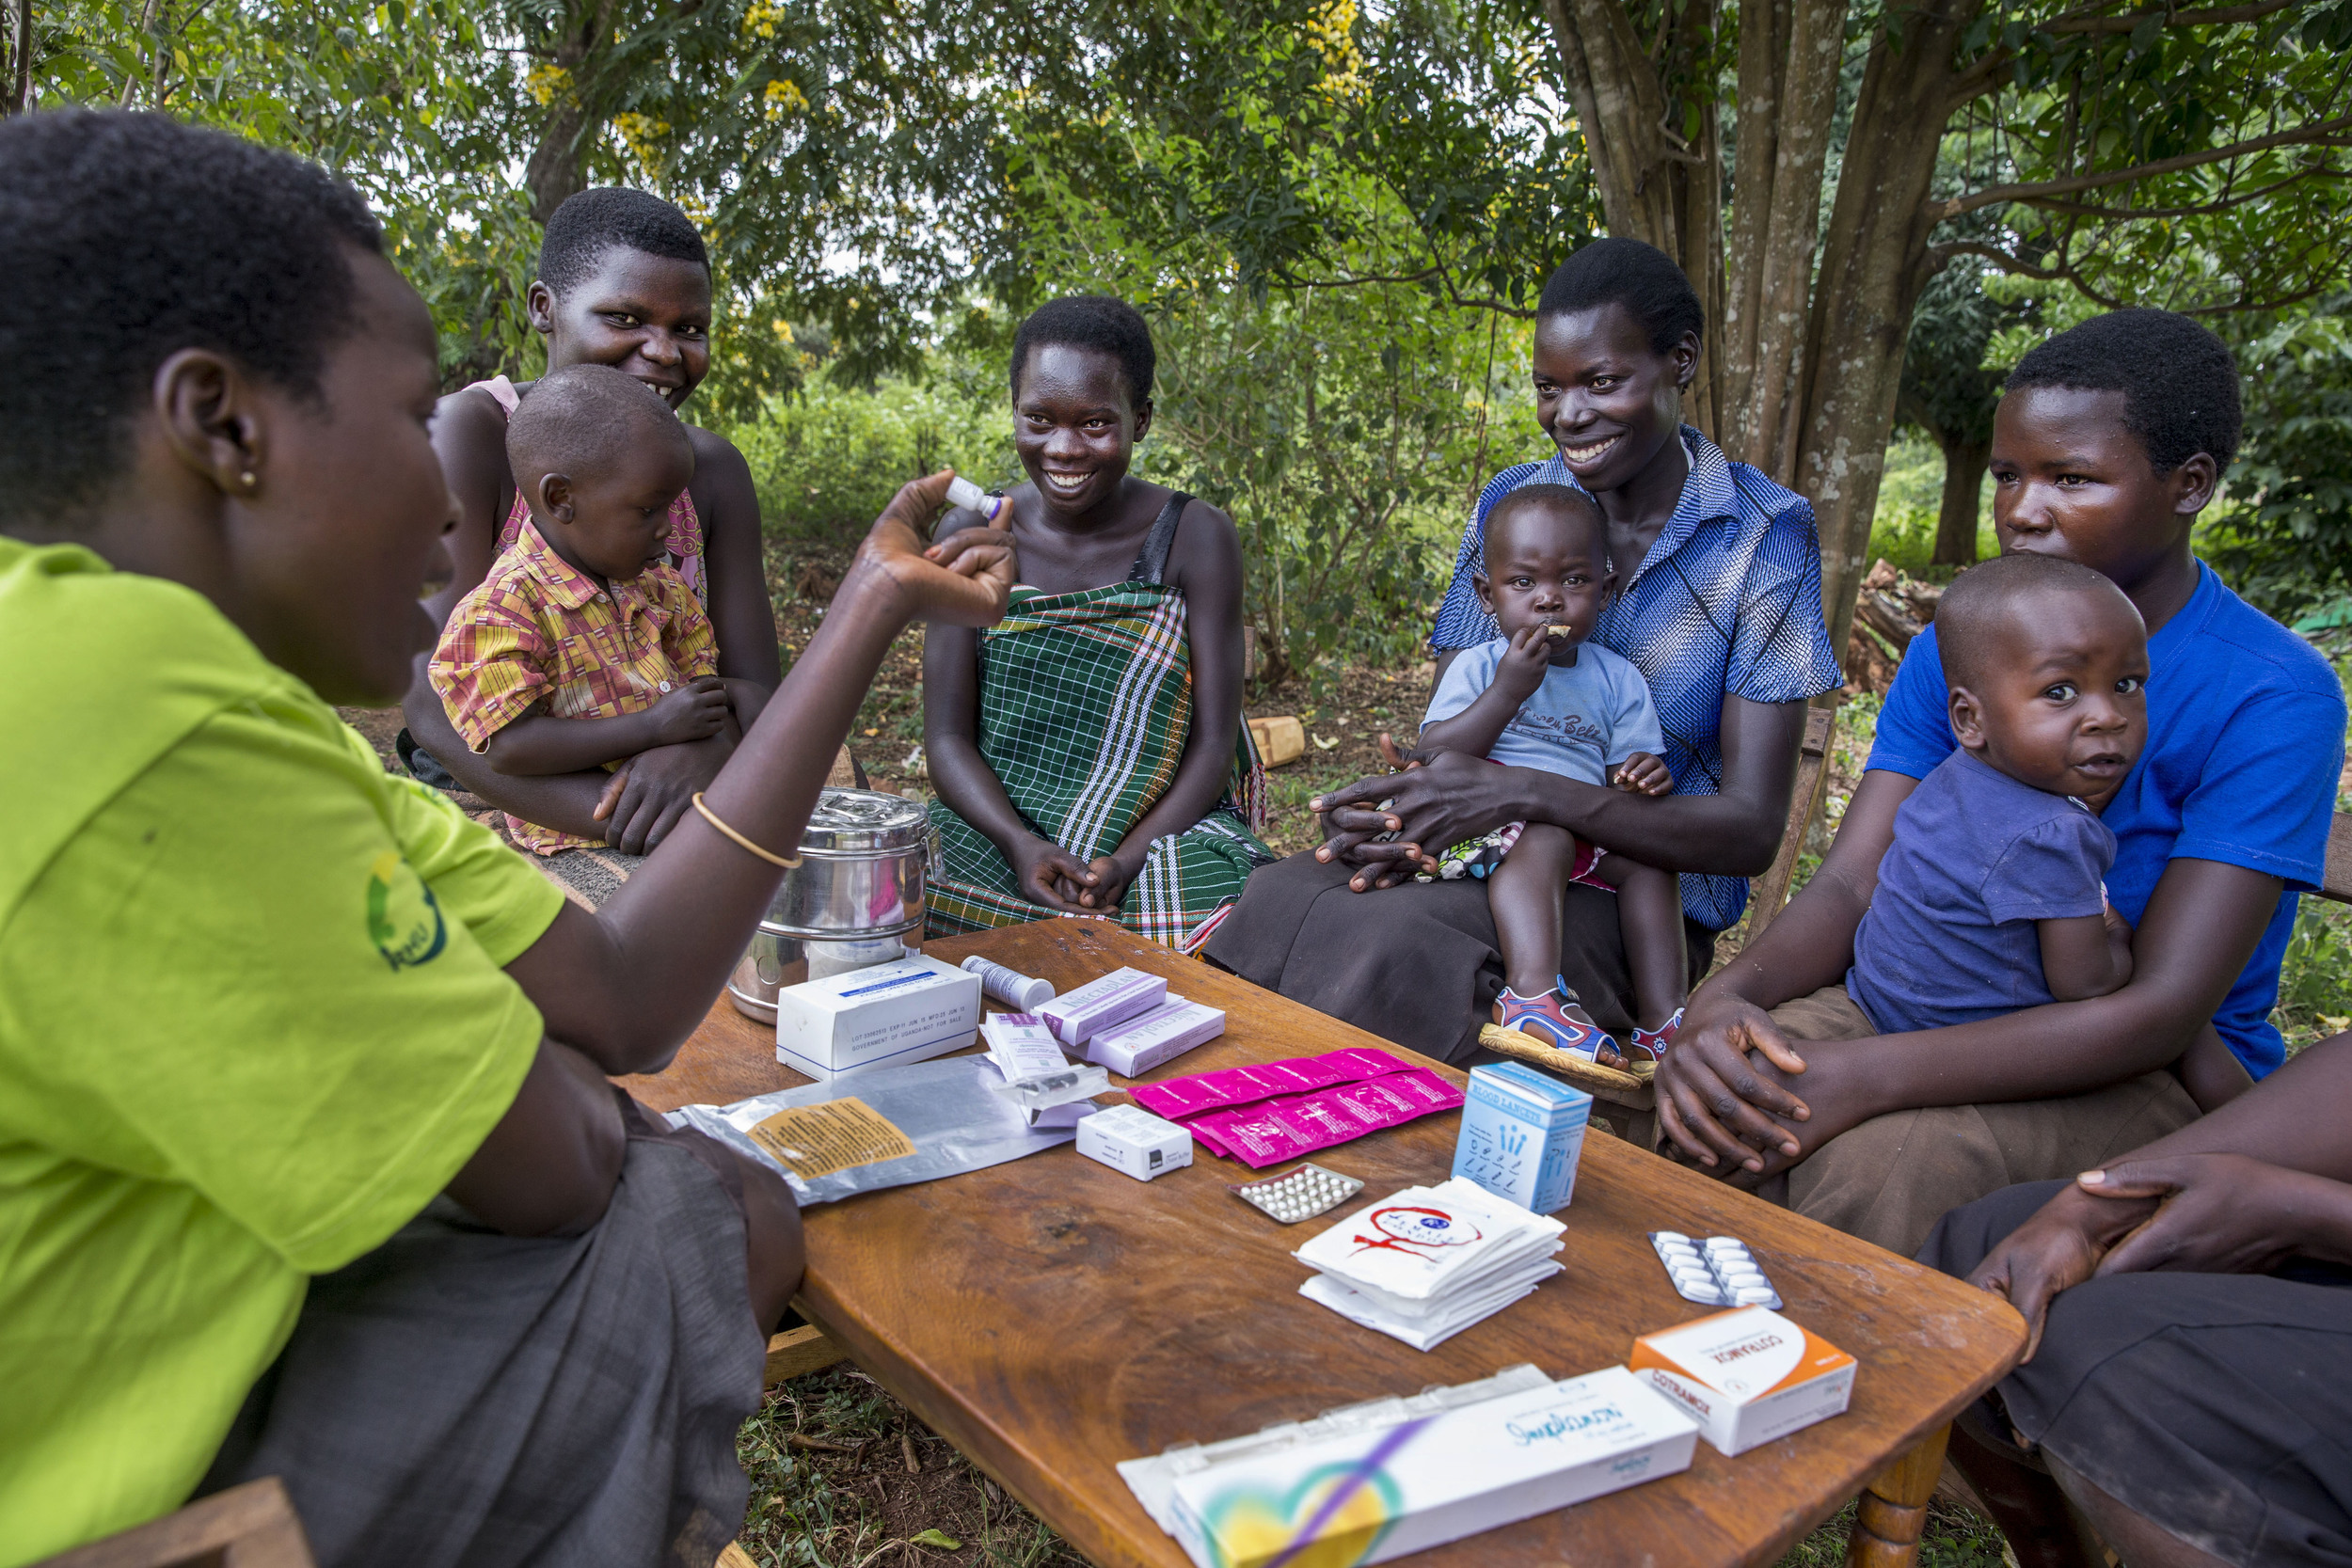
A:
[1540,696]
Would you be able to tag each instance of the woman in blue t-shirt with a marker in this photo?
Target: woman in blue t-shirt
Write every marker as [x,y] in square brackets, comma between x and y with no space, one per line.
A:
[2109,441]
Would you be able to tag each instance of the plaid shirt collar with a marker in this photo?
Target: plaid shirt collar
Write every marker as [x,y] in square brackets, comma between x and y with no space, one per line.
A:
[567,586]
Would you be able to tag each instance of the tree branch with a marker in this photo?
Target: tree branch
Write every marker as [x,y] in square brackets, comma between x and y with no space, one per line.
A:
[2218,204]
[2326,132]
[2130,20]
[1978,79]
[1940,256]
[2073,279]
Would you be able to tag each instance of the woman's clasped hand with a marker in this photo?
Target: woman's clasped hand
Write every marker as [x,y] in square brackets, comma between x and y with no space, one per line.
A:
[2215,1212]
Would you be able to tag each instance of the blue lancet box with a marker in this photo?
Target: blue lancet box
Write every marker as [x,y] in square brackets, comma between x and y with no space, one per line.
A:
[1522,1132]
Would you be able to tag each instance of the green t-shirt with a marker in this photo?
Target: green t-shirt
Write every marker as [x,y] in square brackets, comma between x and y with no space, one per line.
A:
[252,1018]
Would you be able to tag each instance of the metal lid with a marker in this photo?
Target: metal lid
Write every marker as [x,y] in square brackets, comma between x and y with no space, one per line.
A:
[863,821]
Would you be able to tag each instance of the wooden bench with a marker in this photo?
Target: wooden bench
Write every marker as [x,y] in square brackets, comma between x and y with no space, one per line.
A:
[1769,893]
[253,1526]
[2336,880]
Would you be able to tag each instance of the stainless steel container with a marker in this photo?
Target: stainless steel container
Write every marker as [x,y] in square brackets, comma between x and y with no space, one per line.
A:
[858,888]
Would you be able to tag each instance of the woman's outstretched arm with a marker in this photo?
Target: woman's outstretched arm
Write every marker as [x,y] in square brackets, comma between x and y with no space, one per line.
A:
[628,983]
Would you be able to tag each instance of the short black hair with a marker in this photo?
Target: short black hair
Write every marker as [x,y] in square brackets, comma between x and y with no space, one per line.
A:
[125,238]
[2179,381]
[1639,276]
[1103,323]
[605,217]
[1558,501]
[579,416]
[1989,597]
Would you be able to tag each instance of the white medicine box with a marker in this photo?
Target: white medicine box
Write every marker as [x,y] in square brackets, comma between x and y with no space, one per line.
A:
[885,1015]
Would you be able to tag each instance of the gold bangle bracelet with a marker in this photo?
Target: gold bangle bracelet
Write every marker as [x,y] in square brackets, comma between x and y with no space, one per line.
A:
[769,855]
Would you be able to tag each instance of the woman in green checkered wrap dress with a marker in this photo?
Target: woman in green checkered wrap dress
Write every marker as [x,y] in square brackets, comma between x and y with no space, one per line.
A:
[1062,740]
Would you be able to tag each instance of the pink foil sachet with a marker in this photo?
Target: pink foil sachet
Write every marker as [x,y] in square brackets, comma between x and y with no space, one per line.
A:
[1272,1131]
[1178,1097]
[1276,1111]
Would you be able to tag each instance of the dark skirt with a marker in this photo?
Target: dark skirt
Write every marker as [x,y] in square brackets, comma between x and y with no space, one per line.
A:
[2217,1405]
[460,1397]
[1417,963]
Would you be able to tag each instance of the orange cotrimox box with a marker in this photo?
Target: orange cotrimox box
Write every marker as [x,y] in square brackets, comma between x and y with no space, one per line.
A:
[1746,1376]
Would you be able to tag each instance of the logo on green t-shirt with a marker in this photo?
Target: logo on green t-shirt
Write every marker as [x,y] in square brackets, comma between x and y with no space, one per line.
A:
[403,917]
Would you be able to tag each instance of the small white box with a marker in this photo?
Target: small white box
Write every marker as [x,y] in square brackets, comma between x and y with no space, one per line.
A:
[1746,1376]
[887,1015]
[1130,1139]
[1157,1037]
[1366,1496]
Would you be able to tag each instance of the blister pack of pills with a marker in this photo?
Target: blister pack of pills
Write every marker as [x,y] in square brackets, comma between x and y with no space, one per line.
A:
[1302,1194]
[1718,1270]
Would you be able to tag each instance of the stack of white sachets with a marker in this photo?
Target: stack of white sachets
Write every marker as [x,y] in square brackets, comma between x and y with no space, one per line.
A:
[1425,1264]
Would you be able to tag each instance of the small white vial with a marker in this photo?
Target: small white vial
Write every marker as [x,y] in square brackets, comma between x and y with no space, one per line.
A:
[1026,992]
[962,492]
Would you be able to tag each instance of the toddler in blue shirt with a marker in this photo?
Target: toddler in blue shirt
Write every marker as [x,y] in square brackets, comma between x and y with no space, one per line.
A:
[1540,697]
[1990,899]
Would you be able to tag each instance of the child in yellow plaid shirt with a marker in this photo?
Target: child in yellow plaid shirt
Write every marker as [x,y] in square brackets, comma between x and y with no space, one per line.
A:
[584,646]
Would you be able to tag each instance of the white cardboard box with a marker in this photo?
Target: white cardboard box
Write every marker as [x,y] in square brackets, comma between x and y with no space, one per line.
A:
[1367,1496]
[1130,1139]
[886,1015]
[1135,1046]
[1746,1376]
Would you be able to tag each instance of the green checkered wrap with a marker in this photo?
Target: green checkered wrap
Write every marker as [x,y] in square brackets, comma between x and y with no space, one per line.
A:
[1085,706]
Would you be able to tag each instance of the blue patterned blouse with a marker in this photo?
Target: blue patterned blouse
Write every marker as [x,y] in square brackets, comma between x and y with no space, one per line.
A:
[1727,603]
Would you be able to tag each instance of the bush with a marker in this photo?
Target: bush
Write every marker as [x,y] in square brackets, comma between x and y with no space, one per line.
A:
[828,458]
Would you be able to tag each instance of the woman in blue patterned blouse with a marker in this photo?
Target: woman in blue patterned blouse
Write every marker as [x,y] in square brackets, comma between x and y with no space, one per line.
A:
[1719,607]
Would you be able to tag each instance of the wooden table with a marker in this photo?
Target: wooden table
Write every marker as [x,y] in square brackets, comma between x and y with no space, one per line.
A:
[1051,1317]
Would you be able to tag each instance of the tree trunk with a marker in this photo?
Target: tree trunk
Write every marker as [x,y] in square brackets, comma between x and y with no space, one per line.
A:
[1654,186]
[19,89]
[1872,270]
[575,113]
[1788,88]
[553,175]
[1965,462]
[1811,361]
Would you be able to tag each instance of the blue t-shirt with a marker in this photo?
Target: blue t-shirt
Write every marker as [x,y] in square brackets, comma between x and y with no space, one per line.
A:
[2245,744]
[1583,720]
[1978,858]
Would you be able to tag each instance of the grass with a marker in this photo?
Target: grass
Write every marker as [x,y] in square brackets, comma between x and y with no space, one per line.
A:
[843,1476]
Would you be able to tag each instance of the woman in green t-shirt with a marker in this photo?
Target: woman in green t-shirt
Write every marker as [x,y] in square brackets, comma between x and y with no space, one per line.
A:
[309,1165]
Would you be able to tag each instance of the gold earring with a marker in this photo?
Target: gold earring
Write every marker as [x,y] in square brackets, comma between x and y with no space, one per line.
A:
[248,478]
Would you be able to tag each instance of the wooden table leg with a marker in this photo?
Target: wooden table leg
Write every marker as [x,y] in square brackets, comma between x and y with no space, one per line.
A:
[800,1350]
[1894,1507]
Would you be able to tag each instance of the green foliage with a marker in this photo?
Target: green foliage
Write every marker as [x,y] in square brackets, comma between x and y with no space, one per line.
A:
[828,460]
[2283,536]
[1945,390]
[2078,99]
[2315,978]
[1903,529]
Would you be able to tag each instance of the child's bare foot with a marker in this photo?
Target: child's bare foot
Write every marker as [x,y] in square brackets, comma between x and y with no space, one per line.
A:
[1558,1019]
